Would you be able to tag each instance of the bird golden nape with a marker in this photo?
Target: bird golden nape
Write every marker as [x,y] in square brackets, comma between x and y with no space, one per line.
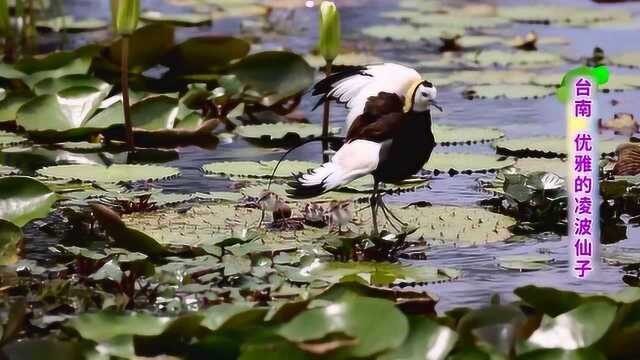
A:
[388,132]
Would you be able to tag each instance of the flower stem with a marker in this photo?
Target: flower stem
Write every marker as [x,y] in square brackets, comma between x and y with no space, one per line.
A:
[325,119]
[125,92]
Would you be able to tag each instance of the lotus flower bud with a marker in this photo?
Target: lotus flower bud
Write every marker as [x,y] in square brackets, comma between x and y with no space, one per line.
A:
[128,14]
[329,31]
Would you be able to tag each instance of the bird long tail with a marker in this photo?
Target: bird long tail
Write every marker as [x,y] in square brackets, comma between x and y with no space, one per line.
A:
[317,181]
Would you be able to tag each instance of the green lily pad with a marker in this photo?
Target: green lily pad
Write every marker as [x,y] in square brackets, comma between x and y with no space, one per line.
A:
[276,75]
[552,332]
[258,169]
[176,19]
[70,24]
[411,33]
[113,174]
[512,58]
[8,170]
[77,65]
[239,11]
[427,340]
[456,225]
[205,54]
[23,199]
[348,59]
[281,132]
[352,317]
[453,135]
[531,165]
[451,20]
[469,41]
[374,273]
[490,77]
[281,190]
[620,257]
[106,325]
[548,147]
[153,113]
[9,139]
[558,14]
[524,262]
[66,110]
[630,59]
[10,104]
[10,239]
[454,163]
[158,40]
[507,91]
[54,85]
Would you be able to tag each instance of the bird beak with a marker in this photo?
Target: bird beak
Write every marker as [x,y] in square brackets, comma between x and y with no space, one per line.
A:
[436,105]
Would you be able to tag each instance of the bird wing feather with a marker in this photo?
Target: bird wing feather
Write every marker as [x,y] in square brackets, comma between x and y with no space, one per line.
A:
[381,118]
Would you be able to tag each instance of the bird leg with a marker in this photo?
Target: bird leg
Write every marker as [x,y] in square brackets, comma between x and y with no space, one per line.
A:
[374,210]
[390,213]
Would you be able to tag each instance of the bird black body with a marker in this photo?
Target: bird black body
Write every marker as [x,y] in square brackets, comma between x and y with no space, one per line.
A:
[408,151]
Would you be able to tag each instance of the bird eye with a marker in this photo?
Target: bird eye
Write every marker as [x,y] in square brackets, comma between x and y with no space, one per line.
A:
[425,94]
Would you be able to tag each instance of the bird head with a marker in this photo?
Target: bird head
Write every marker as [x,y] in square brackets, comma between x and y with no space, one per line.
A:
[421,96]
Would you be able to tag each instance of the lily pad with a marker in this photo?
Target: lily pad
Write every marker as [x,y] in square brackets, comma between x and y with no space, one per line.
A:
[531,165]
[427,340]
[276,75]
[107,325]
[113,174]
[258,169]
[411,33]
[549,147]
[176,19]
[630,59]
[23,199]
[66,110]
[491,77]
[348,59]
[281,190]
[524,262]
[512,58]
[353,317]
[8,170]
[54,85]
[9,139]
[10,239]
[507,91]
[10,104]
[70,24]
[374,273]
[454,163]
[457,20]
[457,225]
[153,113]
[558,14]
[452,135]
[158,40]
[282,132]
[205,54]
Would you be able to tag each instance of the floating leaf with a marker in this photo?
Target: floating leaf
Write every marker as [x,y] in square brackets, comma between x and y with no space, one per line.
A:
[205,54]
[457,225]
[348,59]
[70,24]
[10,104]
[352,317]
[427,340]
[558,14]
[547,147]
[258,169]
[454,163]
[630,59]
[507,91]
[453,135]
[158,39]
[530,165]
[374,273]
[152,113]
[232,316]
[66,110]
[113,174]
[524,262]
[176,19]
[8,170]
[276,75]
[10,239]
[411,33]
[287,132]
[9,139]
[578,328]
[490,77]
[106,325]
[281,190]
[23,199]
[458,20]
[512,58]
[55,85]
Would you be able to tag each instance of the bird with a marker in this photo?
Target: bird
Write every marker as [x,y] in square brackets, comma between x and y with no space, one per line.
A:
[388,131]
[339,214]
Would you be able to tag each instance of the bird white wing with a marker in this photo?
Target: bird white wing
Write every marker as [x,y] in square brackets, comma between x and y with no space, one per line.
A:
[355,87]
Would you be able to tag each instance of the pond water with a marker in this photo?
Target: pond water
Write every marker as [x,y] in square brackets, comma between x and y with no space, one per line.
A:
[518,118]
